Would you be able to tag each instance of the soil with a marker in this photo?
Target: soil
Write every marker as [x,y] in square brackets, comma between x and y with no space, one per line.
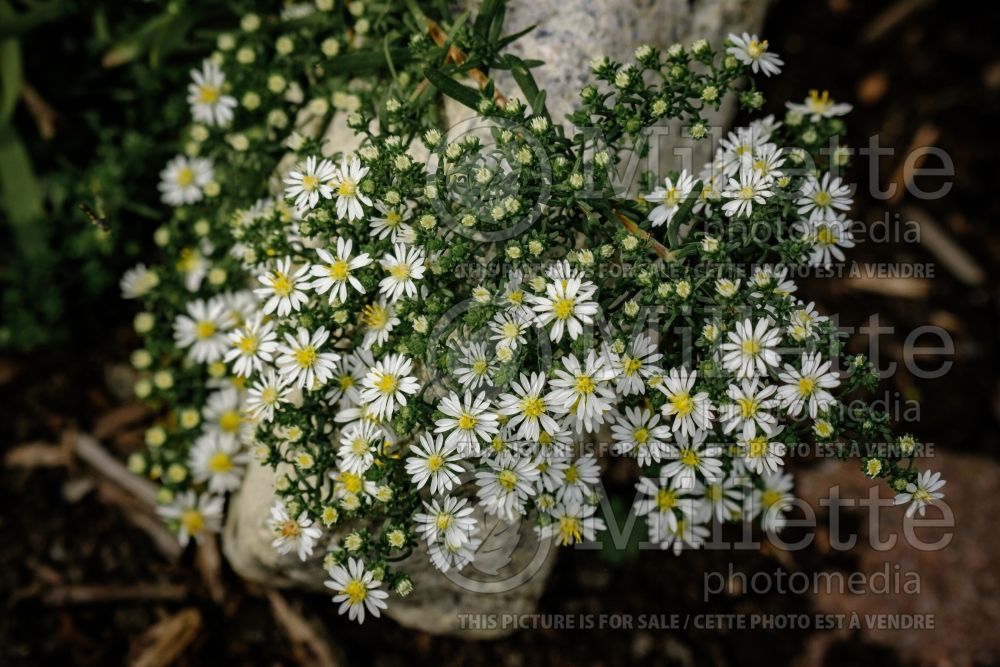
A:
[910,67]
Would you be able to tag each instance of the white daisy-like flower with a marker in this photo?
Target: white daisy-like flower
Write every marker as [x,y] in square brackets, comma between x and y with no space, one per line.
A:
[310,181]
[345,384]
[774,279]
[392,224]
[357,590]
[802,321]
[449,520]
[921,493]
[404,266]
[750,350]
[567,306]
[195,514]
[379,319]
[387,384]
[514,297]
[208,104]
[820,105]
[335,273]
[252,346]
[301,361]
[695,456]
[828,237]
[760,454]
[736,151]
[358,444]
[266,394]
[347,189]
[750,408]
[636,364]
[573,522]
[773,501]
[283,288]
[690,411]
[138,282]
[767,162]
[687,535]
[192,264]
[722,500]
[476,366]
[183,180]
[219,461]
[669,198]
[806,388]
[750,50]
[662,503]
[223,413]
[578,479]
[446,556]
[508,329]
[752,188]
[527,407]
[202,330]
[638,432]
[467,421]
[821,199]
[436,461]
[293,533]
[583,391]
[506,484]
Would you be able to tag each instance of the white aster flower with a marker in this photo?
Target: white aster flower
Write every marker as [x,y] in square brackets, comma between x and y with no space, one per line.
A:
[283,288]
[356,590]
[750,50]
[669,198]
[310,181]
[387,384]
[508,329]
[578,479]
[636,364]
[446,520]
[760,454]
[828,236]
[335,273]
[527,407]
[567,305]
[379,319]
[347,189]
[662,503]
[436,461]
[750,350]
[694,457]
[806,388]
[467,421]
[202,330]
[392,224]
[195,515]
[821,199]
[582,391]
[639,432]
[722,500]
[506,484]
[358,444]
[773,501]
[302,363]
[138,282]
[690,411]
[183,180]
[219,461]
[819,105]
[208,104]
[573,522]
[252,346]
[266,394]
[290,533]
[223,414]
[404,266]
[921,493]
[751,188]
[476,366]
[749,410]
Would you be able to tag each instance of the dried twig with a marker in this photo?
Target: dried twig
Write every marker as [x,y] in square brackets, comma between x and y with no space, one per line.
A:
[456,56]
[209,563]
[890,18]
[953,256]
[91,451]
[142,518]
[37,455]
[309,646]
[72,594]
[902,179]
[40,110]
[164,642]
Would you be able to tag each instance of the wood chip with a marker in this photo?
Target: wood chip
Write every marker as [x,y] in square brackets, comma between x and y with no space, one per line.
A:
[873,87]
[309,646]
[209,562]
[82,594]
[952,256]
[902,179]
[37,455]
[903,288]
[165,641]
[91,451]
[895,14]
[115,420]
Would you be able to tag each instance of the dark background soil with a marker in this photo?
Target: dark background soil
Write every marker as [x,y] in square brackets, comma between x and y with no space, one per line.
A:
[936,66]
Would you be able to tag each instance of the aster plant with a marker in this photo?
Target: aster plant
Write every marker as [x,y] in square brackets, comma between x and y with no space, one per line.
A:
[442,323]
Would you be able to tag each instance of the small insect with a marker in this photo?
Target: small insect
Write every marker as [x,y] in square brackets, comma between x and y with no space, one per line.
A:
[94,217]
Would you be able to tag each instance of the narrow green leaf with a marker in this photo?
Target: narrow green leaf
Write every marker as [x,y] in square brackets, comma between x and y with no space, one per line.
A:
[673,229]
[453,89]
[22,197]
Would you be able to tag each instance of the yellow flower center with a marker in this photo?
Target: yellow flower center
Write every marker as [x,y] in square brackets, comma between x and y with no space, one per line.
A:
[208,94]
[443,521]
[248,344]
[269,395]
[631,366]
[585,385]
[305,356]
[479,367]
[393,219]
[571,475]
[230,421]
[569,530]
[563,308]
[309,182]
[746,192]
[205,329]
[683,405]
[807,386]
[467,422]
[359,446]
[670,197]
[666,500]
[352,483]
[220,462]
[185,177]
[770,498]
[825,236]
[434,462]
[756,49]
[193,521]
[347,188]
[532,407]
[387,384]
[822,198]
[757,447]
[641,435]
[750,347]
[339,270]
[400,271]
[281,284]
[689,458]
[374,316]
[507,480]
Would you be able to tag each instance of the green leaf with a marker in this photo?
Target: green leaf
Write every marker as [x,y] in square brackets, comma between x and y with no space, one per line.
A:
[470,97]
[359,61]
[526,82]
[673,229]
[11,72]
[22,197]
[15,24]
